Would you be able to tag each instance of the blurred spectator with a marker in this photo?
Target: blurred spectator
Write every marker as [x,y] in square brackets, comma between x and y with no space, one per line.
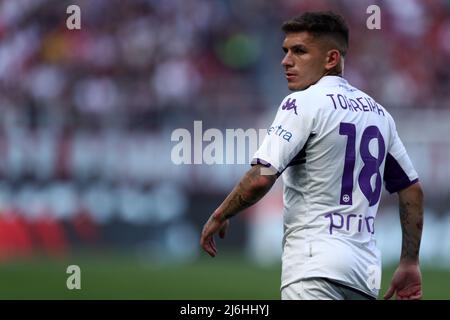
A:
[87,114]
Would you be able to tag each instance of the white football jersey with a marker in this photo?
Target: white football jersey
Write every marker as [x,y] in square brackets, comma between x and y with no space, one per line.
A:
[335,148]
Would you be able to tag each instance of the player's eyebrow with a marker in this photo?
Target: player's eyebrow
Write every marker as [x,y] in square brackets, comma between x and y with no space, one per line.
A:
[295,48]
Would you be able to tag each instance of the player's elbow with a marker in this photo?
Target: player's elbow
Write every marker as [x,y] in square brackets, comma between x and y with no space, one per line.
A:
[263,183]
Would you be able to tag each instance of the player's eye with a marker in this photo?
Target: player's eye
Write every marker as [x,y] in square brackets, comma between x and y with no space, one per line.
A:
[298,50]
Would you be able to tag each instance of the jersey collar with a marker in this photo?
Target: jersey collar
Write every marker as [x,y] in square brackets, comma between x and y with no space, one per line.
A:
[331,81]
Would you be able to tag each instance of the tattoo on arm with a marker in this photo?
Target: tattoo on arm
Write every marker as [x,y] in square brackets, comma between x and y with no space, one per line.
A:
[252,187]
[411,218]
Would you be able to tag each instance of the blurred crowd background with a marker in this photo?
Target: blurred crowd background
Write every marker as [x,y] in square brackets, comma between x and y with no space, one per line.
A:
[87,116]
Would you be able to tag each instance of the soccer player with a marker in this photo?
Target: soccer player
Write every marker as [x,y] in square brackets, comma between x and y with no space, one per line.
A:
[335,148]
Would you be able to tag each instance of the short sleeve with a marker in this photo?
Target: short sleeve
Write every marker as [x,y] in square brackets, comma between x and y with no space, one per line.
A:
[287,135]
[399,172]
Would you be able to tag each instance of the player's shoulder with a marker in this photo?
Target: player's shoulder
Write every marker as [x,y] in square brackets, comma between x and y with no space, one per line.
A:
[296,95]
[381,110]
[316,95]
[304,100]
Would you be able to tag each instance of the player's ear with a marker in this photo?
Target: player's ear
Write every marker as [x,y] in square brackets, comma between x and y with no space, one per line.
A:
[333,59]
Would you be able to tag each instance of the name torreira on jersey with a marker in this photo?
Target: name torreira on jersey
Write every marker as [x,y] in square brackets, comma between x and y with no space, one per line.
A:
[336,148]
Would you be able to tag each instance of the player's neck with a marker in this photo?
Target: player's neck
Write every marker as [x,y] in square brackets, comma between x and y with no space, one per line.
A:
[333,72]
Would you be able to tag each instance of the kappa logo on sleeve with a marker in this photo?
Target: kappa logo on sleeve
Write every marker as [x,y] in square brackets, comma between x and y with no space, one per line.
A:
[289,105]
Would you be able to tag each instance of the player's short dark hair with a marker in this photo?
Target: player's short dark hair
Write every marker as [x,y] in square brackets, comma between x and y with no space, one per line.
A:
[321,23]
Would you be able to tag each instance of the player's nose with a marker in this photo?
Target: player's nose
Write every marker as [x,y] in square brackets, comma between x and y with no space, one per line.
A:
[287,61]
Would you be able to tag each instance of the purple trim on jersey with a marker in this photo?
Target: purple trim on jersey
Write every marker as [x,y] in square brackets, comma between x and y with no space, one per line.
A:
[300,157]
[264,163]
[395,177]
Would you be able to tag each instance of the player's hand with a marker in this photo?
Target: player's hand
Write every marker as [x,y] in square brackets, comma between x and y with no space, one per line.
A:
[214,225]
[406,282]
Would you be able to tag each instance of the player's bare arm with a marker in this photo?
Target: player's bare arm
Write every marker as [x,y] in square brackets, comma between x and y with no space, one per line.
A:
[407,279]
[411,218]
[252,187]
